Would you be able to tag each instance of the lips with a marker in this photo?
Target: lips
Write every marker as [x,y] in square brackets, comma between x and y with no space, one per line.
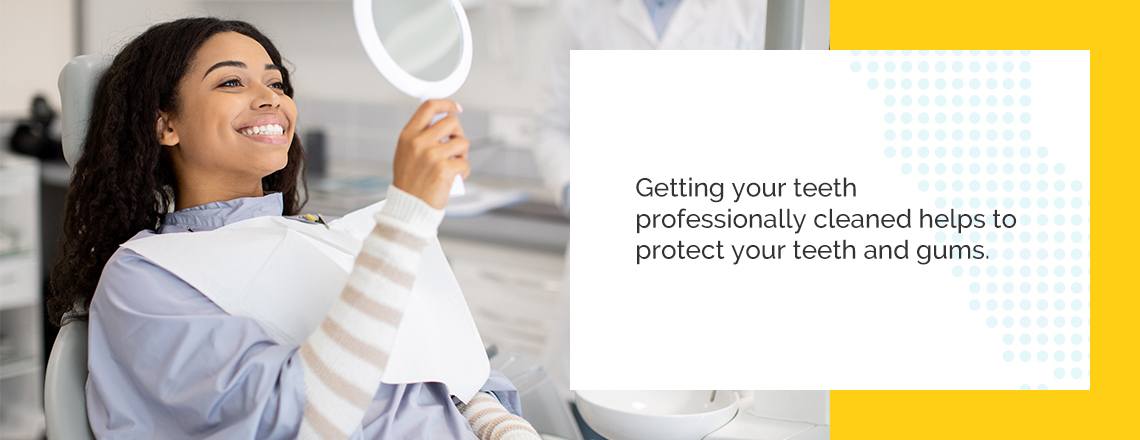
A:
[270,130]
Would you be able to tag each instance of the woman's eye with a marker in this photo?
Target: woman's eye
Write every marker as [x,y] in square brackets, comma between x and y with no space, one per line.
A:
[278,85]
[231,83]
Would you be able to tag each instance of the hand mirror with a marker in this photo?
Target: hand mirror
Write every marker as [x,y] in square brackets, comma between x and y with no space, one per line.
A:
[422,47]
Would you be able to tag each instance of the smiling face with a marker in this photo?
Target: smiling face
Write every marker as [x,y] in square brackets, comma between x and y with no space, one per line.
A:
[234,124]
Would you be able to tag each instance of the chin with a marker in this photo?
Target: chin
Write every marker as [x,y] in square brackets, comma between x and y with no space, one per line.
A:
[276,165]
[270,165]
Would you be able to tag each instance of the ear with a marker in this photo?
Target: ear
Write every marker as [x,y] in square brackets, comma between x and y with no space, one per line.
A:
[164,129]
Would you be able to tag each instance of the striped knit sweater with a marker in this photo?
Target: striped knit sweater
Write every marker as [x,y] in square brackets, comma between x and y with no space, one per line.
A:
[490,421]
[344,359]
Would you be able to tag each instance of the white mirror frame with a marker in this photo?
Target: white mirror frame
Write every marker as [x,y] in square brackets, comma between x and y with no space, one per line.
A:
[400,78]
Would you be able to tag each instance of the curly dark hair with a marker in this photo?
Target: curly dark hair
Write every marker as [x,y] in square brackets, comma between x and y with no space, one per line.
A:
[124,182]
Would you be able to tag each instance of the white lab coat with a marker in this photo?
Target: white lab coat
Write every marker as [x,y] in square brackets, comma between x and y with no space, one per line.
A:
[623,24]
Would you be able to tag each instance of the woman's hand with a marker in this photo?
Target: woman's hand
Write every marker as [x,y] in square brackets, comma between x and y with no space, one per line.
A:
[429,157]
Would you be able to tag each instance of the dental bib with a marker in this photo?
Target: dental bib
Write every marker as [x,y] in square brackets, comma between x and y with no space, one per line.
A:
[285,275]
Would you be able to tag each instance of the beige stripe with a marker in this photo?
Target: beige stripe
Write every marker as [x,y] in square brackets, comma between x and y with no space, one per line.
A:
[480,397]
[371,307]
[481,413]
[335,382]
[354,345]
[322,424]
[490,426]
[398,276]
[513,428]
[403,238]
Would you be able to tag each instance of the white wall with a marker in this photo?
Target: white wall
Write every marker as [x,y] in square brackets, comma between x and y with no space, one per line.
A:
[340,91]
[36,40]
[318,37]
[109,24]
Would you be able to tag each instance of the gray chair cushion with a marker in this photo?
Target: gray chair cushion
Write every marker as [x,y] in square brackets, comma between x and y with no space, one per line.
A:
[65,384]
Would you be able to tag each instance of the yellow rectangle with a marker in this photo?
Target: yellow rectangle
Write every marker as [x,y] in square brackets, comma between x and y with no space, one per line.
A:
[1106,29]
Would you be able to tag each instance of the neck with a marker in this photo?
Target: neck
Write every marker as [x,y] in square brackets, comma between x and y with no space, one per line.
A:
[199,190]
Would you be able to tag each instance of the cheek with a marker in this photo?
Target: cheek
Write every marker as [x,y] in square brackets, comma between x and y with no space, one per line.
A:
[210,140]
[208,122]
[225,110]
[290,108]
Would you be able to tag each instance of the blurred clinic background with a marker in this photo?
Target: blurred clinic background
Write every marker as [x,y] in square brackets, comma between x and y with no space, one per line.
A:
[506,238]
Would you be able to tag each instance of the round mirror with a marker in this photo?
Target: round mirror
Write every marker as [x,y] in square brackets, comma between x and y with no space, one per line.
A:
[422,47]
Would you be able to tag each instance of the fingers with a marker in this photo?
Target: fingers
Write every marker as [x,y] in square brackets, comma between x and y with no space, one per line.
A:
[455,148]
[444,129]
[461,167]
[443,172]
[430,155]
[422,118]
[452,159]
[446,157]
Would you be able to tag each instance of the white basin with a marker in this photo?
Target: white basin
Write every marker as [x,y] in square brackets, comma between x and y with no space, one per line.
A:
[657,415]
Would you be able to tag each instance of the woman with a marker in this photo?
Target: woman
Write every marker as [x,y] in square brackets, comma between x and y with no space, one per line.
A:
[197,116]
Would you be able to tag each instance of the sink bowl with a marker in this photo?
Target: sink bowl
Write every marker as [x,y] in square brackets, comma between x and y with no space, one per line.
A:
[658,415]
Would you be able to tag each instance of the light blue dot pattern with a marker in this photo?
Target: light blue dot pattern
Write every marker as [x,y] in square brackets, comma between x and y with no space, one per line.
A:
[961,124]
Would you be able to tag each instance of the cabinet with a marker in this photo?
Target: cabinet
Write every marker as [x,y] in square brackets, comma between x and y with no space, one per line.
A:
[21,346]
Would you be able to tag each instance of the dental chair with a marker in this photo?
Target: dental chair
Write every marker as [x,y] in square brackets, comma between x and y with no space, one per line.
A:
[65,381]
[65,404]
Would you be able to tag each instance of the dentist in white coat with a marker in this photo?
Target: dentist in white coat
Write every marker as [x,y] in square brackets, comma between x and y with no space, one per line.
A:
[625,24]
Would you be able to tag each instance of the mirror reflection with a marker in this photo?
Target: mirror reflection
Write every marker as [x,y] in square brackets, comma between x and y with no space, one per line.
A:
[423,36]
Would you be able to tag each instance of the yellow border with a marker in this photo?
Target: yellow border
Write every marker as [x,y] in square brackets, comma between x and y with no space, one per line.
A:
[1109,409]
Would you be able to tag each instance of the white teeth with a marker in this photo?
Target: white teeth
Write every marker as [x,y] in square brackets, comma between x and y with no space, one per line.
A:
[268,130]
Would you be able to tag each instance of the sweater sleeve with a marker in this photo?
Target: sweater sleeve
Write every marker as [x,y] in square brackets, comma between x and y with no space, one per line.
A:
[489,420]
[344,359]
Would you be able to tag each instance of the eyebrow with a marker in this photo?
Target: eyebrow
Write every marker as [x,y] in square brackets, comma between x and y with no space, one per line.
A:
[240,64]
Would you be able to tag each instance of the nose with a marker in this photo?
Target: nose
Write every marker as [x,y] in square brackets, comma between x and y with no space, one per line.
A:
[266,98]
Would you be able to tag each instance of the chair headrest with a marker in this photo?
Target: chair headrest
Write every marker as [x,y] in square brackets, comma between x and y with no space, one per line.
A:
[77,83]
